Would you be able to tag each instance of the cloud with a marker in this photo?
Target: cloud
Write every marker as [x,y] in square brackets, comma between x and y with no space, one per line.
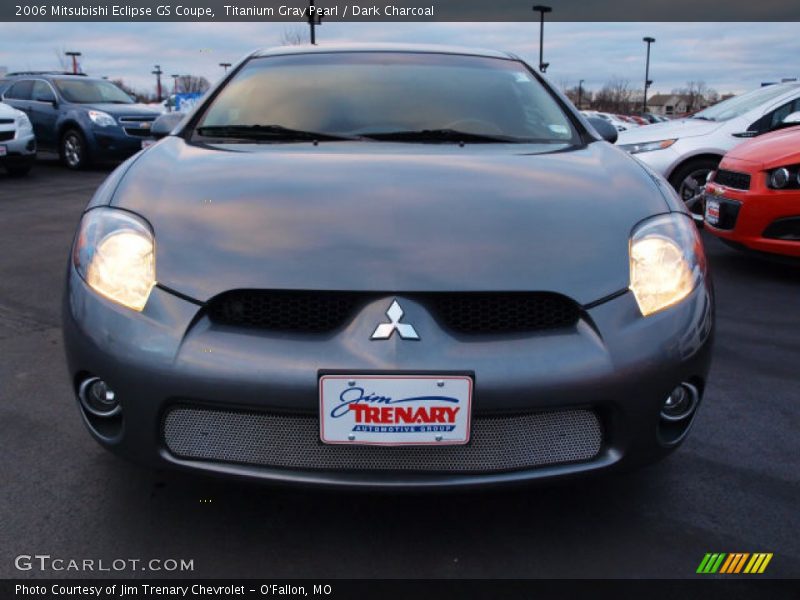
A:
[730,57]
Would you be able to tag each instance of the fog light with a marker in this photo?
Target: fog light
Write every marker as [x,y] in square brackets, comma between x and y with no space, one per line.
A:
[680,403]
[97,398]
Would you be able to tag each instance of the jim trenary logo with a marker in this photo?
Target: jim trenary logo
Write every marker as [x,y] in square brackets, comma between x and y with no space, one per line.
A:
[734,563]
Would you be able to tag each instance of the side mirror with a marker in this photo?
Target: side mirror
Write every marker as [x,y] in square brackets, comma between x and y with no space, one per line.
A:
[164,124]
[606,130]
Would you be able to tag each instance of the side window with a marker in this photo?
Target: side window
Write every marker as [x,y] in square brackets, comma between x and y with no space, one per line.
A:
[20,91]
[779,114]
[42,92]
[773,118]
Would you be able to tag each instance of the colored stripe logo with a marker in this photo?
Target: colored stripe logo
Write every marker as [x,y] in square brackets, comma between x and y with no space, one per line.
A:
[734,563]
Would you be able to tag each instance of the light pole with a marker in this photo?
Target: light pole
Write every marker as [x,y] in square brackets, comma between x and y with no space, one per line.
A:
[541,9]
[174,100]
[225,66]
[314,19]
[580,93]
[157,72]
[74,56]
[647,83]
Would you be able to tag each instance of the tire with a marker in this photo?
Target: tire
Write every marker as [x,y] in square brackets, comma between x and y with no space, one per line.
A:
[690,176]
[18,171]
[73,150]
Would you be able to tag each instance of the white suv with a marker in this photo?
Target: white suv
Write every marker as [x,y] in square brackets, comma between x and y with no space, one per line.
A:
[17,142]
[686,150]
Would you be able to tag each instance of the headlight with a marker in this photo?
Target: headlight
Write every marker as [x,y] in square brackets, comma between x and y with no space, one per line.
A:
[115,255]
[23,125]
[647,146]
[666,261]
[101,119]
[784,178]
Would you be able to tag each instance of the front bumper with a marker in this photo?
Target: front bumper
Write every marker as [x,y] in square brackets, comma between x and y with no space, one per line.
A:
[614,364]
[20,151]
[112,143]
[760,219]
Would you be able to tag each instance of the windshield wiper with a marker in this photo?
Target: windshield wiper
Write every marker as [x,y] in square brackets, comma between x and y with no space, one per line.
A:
[701,118]
[267,132]
[440,135]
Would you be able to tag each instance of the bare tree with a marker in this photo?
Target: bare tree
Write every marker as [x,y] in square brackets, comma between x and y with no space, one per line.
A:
[292,37]
[698,95]
[188,84]
[615,96]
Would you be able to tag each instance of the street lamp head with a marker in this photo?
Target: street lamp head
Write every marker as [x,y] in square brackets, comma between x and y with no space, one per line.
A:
[542,8]
[649,39]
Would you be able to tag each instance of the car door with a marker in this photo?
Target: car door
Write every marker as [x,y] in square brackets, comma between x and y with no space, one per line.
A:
[18,95]
[44,112]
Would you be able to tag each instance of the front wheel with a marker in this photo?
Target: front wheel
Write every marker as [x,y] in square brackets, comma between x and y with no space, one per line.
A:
[73,150]
[689,178]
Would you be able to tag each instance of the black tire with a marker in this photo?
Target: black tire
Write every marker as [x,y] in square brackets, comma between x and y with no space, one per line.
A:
[19,171]
[694,171]
[73,150]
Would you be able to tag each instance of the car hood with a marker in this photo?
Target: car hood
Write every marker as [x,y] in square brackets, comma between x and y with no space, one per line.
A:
[118,110]
[776,149]
[680,128]
[389,217]
[8,112]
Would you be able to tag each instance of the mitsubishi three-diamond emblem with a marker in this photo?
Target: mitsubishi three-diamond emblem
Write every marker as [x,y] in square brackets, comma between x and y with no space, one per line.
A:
[384,331]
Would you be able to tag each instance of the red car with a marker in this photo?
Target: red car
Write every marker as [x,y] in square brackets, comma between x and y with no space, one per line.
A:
[752,201]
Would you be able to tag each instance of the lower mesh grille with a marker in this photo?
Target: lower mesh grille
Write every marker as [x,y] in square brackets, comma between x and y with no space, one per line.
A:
[274,440]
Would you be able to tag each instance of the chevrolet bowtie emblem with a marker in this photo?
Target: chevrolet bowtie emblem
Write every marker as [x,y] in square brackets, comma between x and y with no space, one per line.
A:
[384,331]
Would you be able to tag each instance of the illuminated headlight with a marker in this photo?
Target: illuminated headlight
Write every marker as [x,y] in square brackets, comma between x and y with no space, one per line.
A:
[666,261]
[647,146]
[23,125]
[101,118]
[115,255]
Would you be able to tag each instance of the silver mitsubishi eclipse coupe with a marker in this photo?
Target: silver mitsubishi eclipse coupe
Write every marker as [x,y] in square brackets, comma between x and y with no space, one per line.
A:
[387,266]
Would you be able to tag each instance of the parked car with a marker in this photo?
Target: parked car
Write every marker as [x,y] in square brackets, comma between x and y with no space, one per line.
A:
[685,151]
[613,119]
[329,285]
[82,118]
[17,142]
[753,199]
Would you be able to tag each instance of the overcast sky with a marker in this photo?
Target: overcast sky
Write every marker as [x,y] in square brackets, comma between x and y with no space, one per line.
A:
[729,57]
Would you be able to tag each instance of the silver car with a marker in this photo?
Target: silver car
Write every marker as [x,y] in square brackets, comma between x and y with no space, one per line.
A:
[686,150]
[17,142]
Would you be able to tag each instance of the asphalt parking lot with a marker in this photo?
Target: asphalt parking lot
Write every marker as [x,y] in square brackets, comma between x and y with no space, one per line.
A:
[734,486]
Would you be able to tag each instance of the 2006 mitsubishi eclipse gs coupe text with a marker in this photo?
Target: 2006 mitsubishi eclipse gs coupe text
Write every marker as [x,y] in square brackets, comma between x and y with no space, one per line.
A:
[387,266]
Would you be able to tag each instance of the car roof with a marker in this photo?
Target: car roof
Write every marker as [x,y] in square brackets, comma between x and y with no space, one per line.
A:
[409,48]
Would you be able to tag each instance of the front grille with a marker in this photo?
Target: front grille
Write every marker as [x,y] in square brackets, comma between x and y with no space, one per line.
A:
[310,312]
[503,313]
[6,135]
[499,443]
[132,127]
[467,312]
[6,121]
[732,179]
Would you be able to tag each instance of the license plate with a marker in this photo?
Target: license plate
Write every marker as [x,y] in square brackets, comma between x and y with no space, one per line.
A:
[395,410]
[147,143]
[712,212]
[3,150]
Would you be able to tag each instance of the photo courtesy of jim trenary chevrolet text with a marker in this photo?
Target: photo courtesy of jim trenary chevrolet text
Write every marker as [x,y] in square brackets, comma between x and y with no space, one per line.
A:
[409,298]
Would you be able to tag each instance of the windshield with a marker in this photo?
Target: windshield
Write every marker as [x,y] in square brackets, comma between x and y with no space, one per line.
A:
[739,105]
[350,94]
[82,91]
